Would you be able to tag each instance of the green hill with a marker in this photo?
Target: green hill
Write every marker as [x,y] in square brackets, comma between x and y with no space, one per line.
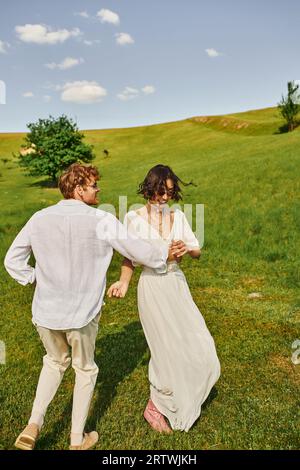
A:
[248,177]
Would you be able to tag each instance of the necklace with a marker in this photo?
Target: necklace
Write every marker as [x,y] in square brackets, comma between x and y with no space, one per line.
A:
[160,222]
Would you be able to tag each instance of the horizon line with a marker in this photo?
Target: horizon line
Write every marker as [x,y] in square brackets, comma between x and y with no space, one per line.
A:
[154,124]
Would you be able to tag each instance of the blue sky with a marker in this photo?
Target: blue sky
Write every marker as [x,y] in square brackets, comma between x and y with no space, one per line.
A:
[126,63]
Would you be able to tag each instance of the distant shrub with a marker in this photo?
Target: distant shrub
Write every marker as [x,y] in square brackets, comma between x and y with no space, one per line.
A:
[289,106]
[52,145]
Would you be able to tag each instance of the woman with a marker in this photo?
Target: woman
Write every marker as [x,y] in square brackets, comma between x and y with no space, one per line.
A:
[184,365]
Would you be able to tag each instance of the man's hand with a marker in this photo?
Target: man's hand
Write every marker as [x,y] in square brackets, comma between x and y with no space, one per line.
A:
[118,289]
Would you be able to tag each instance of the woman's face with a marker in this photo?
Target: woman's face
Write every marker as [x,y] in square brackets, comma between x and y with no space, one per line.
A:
[168,194]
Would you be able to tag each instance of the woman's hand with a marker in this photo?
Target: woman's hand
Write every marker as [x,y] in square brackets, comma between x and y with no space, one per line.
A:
[178,249]
[118,289]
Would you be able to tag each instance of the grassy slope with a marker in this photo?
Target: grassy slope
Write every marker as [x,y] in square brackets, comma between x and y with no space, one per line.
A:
[247,176]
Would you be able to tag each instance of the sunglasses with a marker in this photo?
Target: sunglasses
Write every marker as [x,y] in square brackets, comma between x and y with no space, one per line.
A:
[94,186]
[168,192]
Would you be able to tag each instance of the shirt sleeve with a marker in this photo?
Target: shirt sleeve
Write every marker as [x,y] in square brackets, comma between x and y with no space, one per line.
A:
[17,257]
[139,251]
[188,236]
[130,229]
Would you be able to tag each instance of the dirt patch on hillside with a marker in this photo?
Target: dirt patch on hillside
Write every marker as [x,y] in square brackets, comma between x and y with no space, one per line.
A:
[242,125]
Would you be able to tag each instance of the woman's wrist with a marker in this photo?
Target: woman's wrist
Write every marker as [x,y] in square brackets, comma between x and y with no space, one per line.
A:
[195,252]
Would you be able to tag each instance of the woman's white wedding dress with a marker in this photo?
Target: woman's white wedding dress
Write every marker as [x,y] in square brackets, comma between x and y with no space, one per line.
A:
[184,365]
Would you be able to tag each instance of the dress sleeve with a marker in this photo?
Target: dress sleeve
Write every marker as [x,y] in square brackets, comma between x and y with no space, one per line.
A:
[188,236]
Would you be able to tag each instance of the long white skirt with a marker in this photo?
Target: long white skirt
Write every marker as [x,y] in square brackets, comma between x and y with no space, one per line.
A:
[184,365]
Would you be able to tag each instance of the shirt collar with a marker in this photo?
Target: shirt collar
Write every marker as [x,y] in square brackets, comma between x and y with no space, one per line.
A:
[70,202]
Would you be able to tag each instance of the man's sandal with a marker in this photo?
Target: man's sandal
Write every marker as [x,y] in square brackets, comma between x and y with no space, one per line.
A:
[89,440]
[27,439]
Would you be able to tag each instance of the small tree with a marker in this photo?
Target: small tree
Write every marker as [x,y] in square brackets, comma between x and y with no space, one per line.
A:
[289,106]
[52,145]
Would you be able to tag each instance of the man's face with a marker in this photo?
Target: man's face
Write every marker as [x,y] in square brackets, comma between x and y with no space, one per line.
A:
[90,192]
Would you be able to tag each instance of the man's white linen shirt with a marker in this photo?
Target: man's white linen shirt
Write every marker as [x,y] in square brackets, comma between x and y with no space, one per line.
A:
[73,246]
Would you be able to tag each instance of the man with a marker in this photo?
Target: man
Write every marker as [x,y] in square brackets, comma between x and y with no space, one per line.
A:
[73,245]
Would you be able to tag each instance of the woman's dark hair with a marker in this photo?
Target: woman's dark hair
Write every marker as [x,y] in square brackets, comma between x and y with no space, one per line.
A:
[155,182]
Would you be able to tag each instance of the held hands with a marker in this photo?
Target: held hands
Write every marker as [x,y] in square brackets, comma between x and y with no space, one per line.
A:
[118,289]
[177,250]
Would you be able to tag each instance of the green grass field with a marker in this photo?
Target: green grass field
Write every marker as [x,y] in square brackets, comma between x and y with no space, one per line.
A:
[248,178]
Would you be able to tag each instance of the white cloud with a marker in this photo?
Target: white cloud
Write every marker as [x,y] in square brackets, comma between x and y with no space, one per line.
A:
[47,98]
[91,42]
[28,94]
[67,63]
[148,89]
[52,86]
[212,53]
[128,94]
[108,16]
[83,92]
[43,34]
[3,47]
[124,38]
[83,14]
